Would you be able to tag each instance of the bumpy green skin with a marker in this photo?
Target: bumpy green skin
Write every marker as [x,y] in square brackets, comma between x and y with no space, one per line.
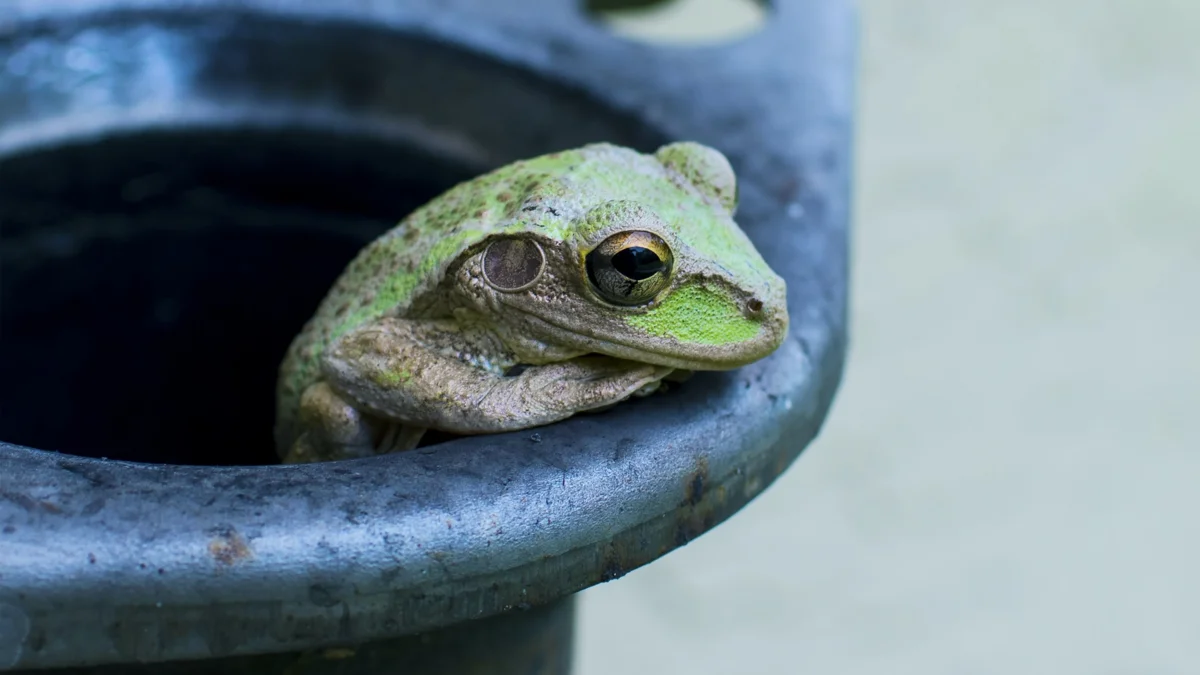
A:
[699,315]
[557,197]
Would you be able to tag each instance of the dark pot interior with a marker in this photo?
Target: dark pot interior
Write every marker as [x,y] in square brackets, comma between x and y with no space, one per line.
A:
[152,276]
[151,282]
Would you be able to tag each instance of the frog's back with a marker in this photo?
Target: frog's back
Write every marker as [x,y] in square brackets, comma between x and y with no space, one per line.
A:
[545,193]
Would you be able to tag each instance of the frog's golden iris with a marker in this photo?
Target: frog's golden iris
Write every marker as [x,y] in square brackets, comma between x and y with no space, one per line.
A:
[630,268]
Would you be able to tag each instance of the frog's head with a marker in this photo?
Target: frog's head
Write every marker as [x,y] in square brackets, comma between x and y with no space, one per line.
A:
[653,269]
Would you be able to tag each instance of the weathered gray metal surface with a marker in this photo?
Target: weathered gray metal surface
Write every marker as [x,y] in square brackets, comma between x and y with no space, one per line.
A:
[533,642]
[117,562]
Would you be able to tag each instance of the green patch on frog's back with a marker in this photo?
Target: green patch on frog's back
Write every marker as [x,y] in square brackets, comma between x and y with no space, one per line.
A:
[397,289]
[698,315]
[392,378]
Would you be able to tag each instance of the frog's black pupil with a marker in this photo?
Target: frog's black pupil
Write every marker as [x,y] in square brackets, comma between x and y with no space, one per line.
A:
[637,263]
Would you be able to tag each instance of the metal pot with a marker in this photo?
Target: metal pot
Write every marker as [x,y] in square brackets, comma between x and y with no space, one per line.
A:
[180,182]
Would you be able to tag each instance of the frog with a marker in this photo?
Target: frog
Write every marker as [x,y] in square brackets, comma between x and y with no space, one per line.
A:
[556,285]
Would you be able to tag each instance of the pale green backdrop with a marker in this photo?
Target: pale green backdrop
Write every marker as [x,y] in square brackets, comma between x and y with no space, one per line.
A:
[1009,482]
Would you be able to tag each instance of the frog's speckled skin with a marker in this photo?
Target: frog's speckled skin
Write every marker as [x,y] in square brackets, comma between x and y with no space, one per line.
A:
[414,304]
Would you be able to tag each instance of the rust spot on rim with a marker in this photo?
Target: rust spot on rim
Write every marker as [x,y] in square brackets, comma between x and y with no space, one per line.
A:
[696,483]
[229,547]
[698,510]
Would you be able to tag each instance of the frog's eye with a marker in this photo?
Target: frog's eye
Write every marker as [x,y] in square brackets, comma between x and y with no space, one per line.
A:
[630,268]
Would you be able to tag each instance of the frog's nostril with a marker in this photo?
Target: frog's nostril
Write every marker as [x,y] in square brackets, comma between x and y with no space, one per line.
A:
[754,305]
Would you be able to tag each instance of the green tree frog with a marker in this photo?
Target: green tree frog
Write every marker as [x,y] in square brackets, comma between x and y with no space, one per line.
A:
[552,286]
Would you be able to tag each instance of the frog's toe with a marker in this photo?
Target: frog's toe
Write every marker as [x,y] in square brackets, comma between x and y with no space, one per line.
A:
[400,438]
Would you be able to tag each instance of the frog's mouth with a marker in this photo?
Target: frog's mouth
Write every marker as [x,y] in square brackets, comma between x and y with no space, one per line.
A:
[657,350]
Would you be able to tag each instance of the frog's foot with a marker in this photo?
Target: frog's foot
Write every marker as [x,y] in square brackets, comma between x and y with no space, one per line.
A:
[400,438]
[332,429]
[587,384]
[656,387]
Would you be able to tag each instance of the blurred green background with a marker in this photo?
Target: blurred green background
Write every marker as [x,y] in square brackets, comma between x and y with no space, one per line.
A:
[1008,482]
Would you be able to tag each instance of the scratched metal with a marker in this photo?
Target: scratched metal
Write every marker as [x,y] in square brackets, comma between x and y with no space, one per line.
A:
[114,562]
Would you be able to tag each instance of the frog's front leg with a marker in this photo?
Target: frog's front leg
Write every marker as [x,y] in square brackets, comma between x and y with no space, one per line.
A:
[400,371]
[333,428]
